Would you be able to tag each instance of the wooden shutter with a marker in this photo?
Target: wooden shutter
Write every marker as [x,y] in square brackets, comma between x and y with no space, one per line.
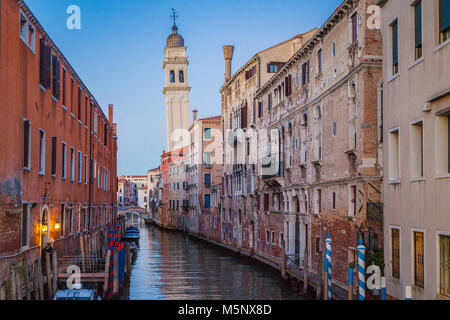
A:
[47,66]
[286,87]
[258,204]
[266,202]
[254,110]
[244,116]
[42,62]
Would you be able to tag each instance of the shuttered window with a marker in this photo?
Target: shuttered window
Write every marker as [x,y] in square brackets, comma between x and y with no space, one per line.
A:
[319,60]
[79,103]
[56,76]
[26,144]
[418,259]
[395,251]
[244,116]
[53,169]
[394,27]
[444,19]
[354,27]
[418,29]
[45,64]
[266,202]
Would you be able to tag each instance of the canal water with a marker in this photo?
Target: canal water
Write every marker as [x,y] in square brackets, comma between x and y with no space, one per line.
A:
[173,266]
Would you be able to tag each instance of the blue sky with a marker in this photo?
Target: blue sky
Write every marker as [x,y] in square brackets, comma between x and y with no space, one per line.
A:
[118,53]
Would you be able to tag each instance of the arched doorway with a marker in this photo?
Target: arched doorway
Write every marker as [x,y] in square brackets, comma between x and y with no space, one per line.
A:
[44,227]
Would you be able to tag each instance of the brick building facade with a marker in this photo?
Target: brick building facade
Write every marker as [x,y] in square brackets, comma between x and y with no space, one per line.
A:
[58,180]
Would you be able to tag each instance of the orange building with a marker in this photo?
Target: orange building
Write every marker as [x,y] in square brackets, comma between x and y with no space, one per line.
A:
[59,150]
[172,207]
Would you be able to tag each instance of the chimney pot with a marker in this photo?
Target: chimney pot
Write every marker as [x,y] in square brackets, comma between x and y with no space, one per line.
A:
[228,55]
[194,115]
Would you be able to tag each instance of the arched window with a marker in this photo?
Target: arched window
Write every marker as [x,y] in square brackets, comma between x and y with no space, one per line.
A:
[181,76]
[172,76]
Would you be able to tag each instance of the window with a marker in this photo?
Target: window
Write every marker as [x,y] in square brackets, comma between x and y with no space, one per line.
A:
[56,74]
[250,73]
[207,158]
[181,76]
[207,202]
[71,94]
[442,147]
[41,151]
[27,32]
[72,164]
[334,201]
[273,238]
[85,169]
[64,87]
[269,102]
[45,64]
[418,259]
[207,180]
[267,236]
[354,27]
[318,201]
[319,60]
[395,252]
[85,110]
[172,76]
[317,245]
[26,144]
[444,20]
[444,274]
[207,134]
[63,214]
[394,29]
[352,201]
[79,103]
[334,48]
[394,155]
[63,160]
[274,67]
[417,150]
[25,226]
[418,29]
[80,157]
[54,155]
[305,73]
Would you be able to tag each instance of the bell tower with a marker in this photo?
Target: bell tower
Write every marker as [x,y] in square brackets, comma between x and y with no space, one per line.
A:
[176,89]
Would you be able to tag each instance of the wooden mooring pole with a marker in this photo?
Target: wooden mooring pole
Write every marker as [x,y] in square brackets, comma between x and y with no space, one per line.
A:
[49,275]
[305,272]
[283,260]
[55,271]
[319,276]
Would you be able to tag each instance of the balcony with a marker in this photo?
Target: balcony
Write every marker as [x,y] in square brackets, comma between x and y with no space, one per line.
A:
[278,174]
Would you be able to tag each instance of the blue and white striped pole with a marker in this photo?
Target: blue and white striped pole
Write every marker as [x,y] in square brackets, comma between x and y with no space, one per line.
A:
[328,243]
[361,270]
[383,288]
[408,293]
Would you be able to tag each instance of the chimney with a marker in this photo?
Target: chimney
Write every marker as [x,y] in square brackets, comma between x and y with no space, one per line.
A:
[228,55]
[110,114]
[194,115]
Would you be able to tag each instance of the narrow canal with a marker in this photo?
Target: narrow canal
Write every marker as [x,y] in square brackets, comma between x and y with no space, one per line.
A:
[173,266]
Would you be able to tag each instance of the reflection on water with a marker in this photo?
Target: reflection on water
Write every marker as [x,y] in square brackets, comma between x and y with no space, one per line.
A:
[173,266]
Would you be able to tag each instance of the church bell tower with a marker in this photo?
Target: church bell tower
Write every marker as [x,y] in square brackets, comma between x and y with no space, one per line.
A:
[176,89]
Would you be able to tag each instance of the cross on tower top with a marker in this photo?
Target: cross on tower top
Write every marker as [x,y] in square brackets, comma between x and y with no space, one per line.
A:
[174,16]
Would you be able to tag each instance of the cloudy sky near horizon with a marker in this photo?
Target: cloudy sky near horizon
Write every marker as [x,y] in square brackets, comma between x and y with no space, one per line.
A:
[119,51]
